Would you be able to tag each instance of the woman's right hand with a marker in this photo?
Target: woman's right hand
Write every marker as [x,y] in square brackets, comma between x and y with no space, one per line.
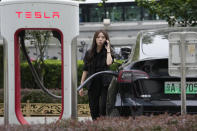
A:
[83,77]
[81,92]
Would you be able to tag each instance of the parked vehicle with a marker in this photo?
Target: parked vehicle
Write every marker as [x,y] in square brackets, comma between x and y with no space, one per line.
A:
[143,84]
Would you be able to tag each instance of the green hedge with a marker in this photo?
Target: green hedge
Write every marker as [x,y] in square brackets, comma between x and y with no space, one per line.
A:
[52,77]
[38,96]
[35,96]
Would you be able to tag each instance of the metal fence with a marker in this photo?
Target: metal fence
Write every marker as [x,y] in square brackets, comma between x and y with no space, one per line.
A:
[47,109]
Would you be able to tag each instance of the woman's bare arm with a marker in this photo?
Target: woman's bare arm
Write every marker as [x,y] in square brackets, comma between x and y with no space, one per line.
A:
[83,77]
[109,57]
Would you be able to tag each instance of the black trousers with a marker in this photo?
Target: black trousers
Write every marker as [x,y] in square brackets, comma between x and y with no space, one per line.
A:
[97,95]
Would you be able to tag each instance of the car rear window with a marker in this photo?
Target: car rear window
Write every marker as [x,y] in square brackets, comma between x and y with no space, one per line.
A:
[155,44]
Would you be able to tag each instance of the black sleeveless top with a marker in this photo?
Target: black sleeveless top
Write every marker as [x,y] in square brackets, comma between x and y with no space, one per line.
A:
[96,65]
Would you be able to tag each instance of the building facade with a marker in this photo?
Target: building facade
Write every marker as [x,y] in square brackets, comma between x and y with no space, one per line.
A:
[121,19]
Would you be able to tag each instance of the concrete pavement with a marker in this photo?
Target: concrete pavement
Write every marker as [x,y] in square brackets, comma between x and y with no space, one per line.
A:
[44,120]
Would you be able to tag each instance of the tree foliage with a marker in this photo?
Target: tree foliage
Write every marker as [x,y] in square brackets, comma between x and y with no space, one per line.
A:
[103,4]
[39,39]
[181,11]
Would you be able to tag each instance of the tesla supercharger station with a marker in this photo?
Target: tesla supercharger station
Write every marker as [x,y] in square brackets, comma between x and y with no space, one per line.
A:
[183,59]
[56,15]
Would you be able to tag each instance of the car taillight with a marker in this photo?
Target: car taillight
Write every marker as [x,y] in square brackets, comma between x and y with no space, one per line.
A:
[131,75]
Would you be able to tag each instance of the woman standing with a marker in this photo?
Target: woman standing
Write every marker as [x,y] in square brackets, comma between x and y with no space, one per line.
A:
[97,59]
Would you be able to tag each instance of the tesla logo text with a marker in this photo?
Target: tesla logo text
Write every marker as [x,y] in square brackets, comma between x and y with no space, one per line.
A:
[38,15]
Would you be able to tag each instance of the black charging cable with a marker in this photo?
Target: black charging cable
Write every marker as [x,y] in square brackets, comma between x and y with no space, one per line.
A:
[113,73]
[35,74]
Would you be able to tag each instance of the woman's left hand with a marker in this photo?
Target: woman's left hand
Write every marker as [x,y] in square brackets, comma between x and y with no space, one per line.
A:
[107,47]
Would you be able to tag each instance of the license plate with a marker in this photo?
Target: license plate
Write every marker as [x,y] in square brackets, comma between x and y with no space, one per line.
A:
[175,88]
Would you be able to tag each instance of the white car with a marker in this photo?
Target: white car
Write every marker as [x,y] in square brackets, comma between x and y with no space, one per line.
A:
[143,84]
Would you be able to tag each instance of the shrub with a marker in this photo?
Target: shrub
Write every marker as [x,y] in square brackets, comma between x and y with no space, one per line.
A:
[140,123]
[38,96]
[35,96]
[52,77]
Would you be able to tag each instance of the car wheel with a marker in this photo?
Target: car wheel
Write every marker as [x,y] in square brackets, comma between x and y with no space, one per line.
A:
[111,97]
[125,111]
[114,112]
[136,111]
[130,111]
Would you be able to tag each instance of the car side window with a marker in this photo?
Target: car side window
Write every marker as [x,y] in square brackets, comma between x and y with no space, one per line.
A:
[137,49]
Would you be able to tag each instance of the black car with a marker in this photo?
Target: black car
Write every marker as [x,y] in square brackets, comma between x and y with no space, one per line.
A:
[142,85]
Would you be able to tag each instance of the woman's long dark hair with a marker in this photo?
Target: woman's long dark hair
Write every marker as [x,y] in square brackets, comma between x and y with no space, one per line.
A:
[92,50]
